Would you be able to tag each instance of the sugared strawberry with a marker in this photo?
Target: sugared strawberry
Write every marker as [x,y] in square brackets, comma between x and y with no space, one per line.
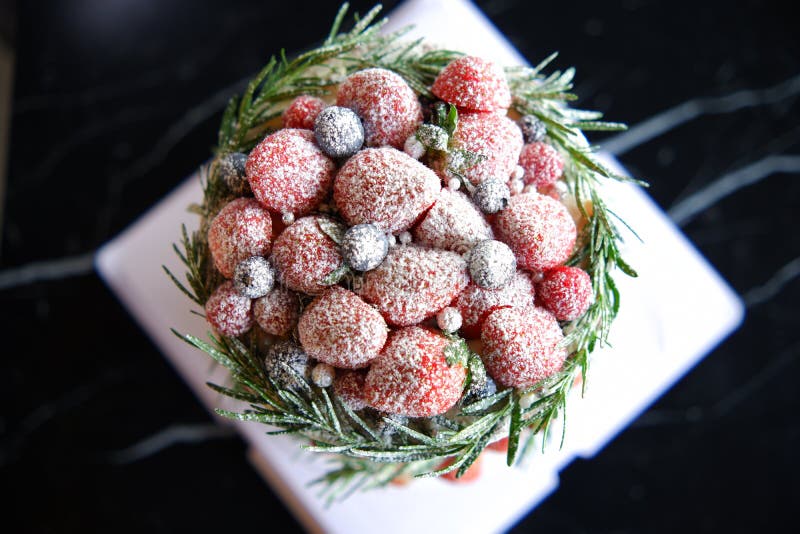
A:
[340,329]
[495,137]
[288,173]
[414,283]
[385,187]
[349,387]
[387,106]
[566,292]
[452,223]
[543,164]
[228,312]
[304,255]
[302,112]
[521,346]
[476,303]
[277,311]
[411,376]
[473,83]
[472,473]
[538,229]
[241,229]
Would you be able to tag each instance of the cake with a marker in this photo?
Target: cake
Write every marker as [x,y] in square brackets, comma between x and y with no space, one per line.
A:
[403,254]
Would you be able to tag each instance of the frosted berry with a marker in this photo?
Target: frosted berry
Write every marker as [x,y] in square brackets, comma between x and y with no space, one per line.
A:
[253,277]
[228,312]
[349,387]
[288,173]
[542,163]
[433,137]
[491,195]
[241,229]
[533,129]
[364,246]
[338,132]
[277,312]
[387,106]
[304,255]
[323,374]
[521,346]
[566,292]
[283,356]
[449,319]
[473,83]
[411,376]
[480,387]
[414,283]
[231,169]
[452,223]
[342,330]
[538,229]
[302,112]
[413,147]
[385,187]
[476,303]
[491,264]
[496,137]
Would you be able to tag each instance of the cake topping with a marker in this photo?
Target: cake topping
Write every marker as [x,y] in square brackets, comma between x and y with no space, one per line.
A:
[533,130]
[364,246]
[338,132]
[476,303]
[277,311]
[349,387]
[232,172]
[452,223]
[491,195]
[228,312]
[449,319]
[491,264]
[566,292]
[302,112]
[543,164]
[241,229]
[286,363]
[253,277]
[304,256]
[473,83]
[323,374]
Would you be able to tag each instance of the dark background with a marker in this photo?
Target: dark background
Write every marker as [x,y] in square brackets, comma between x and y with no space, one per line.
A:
[116,101]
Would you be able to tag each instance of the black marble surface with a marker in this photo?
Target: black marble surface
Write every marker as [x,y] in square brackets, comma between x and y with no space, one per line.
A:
[115,101]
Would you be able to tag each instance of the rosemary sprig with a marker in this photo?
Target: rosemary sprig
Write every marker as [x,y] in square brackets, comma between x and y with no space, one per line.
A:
[368,449]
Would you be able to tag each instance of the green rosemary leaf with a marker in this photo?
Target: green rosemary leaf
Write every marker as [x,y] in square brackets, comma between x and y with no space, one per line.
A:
[333,229]
[514,432]
[335,276]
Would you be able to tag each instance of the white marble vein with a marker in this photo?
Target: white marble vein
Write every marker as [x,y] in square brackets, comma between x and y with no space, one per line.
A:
[671,118]
[41,271]
[169,436]
[774,285]
[727,184]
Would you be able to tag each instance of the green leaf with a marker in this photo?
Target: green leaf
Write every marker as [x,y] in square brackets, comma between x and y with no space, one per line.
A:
[514,432]
[335,275]
[333,229]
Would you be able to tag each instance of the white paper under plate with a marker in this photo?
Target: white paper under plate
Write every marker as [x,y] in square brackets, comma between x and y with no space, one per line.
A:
[672,315]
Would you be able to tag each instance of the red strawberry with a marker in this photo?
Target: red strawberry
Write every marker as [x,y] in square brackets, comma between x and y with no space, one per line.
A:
[476,303]
[543,164]
[349,387]
[386,187]
[566,292]
[414,283]
[304,255]
[538,229]
[288,173]
[277,311]
[521,346]
[388,108]
[228,312]
[340,329]
[473,83]
[302,112]
[241,229]
[452,223]
[495,137]
[411,376]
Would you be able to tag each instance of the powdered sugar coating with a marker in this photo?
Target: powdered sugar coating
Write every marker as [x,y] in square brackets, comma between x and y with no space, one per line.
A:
[411,376]
[494,136]
[566,292]
[228,312]
[288,173]
[342,330]
[414,283]
[385,187]
[521,346]
[304,255]
[476,303]
[302,112]
[241,229]
[543,164]
[349,387]
[473,83]
[277,311]
[538,229]
[388,107]
[452,223]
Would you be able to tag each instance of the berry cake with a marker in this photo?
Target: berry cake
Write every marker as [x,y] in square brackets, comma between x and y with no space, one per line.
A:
[392,258]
